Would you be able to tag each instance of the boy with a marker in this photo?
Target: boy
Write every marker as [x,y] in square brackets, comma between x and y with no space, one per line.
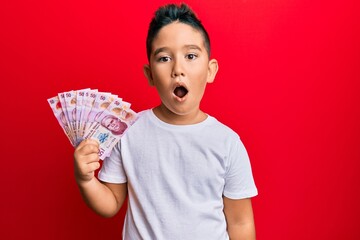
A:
[187,176]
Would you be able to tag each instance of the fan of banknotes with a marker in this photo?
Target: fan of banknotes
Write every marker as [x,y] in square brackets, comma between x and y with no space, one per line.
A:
[88,113]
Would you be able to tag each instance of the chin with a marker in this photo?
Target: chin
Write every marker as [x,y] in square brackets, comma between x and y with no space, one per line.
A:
[182,111]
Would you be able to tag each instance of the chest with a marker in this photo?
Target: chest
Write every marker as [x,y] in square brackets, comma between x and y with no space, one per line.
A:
[189,163]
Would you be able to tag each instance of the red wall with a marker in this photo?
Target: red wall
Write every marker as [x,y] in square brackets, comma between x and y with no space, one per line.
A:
[289,84]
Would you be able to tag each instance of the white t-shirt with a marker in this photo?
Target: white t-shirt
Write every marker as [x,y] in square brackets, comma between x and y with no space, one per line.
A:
[177,176]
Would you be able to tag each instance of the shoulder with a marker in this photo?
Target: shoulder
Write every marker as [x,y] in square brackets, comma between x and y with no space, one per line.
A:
[141,116]
[221,130]
[143,113]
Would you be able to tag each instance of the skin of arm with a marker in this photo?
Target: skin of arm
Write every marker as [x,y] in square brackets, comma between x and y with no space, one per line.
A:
[240,219]
[103,198]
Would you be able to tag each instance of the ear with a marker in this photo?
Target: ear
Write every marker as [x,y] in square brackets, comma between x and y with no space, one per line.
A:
[148,74]
[212,70]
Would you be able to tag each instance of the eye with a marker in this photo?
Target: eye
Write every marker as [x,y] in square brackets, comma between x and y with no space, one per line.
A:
[191,56]
[164,59]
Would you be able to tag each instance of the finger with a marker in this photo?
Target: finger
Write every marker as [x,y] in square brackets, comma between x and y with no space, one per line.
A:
[94,157]
[82,163]
[87,142]
[93,166]
[93,141]
[87,149]
[82,160]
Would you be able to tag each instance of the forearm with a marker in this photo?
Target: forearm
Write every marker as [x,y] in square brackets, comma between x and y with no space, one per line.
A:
[239,219]
[100,198]
[242,231]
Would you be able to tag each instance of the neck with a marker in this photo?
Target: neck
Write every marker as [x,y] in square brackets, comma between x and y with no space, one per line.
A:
[170,117]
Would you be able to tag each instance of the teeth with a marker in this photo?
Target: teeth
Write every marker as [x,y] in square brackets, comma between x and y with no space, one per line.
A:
[180,91]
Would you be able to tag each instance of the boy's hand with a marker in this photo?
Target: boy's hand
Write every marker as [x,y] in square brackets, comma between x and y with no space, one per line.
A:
[86,160]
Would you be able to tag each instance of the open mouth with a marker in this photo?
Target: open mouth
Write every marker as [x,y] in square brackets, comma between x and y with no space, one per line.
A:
[180,91]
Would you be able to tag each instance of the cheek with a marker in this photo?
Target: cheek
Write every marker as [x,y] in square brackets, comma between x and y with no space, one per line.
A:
[198,89]
[200,71]
[160,70]
[200,85]
[161,78]
[199,79]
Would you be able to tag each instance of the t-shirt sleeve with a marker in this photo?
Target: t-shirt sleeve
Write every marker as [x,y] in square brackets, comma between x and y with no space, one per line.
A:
[112,170]
[239,181]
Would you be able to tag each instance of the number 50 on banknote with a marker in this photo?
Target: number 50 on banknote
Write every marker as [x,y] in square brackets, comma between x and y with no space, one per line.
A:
[88,113]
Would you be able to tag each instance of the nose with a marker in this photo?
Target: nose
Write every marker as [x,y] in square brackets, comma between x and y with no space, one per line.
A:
[177,70]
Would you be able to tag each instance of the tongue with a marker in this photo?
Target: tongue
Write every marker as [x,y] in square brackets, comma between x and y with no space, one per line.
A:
[180,92]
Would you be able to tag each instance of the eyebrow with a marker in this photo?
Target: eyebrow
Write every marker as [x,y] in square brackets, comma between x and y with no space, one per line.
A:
[162,49]
[192,46]
[189,46]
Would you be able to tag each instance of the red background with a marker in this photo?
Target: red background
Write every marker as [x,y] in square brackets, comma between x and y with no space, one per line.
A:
[288,83]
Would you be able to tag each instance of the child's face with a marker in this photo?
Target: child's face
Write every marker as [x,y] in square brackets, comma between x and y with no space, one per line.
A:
[180,68]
